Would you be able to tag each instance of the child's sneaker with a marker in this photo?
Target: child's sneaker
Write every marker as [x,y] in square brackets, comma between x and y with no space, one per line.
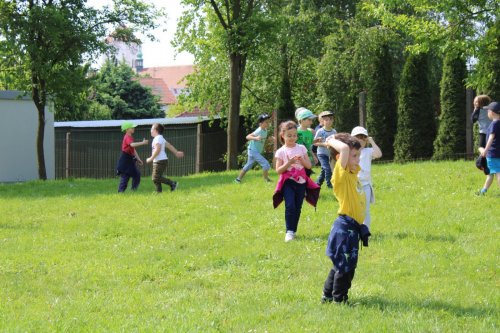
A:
[268,180]
[237,180]
[173,187]
[290,236]
[326,299]
[481,192]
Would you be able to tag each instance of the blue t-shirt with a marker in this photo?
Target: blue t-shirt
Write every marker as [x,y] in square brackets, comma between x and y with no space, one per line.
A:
[322,134]
[494,151]
[255,145]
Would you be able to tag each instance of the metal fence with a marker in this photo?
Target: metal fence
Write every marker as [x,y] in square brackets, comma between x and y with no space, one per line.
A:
[87,152]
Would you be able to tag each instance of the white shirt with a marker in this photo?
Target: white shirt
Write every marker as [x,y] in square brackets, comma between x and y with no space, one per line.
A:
[365,162]
[159,139]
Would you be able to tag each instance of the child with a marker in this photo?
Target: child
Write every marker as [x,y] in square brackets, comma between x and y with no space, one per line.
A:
[305,135]
[492,149]
[293,185]
[480,115]
[160,159]
[127,166]
[257,140]
[343,241]
[326,118]
[365,162]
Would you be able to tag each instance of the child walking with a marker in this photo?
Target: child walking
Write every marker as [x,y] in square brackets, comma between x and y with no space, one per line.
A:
[257,141]
[160,159]
[365,162]
[324,132]
[347,229]
[492,149]
[127,164]
[480,115]
[293,185]
[305,135]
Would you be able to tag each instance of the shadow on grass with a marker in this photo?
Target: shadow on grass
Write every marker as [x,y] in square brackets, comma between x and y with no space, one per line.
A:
[433,305]
[84,187]
[380,237]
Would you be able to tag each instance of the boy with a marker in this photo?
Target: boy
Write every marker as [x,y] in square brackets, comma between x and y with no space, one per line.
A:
[343,241]
[127,166]
[305,135]
[326,118]
[492,149]
[160,159]
[257,141]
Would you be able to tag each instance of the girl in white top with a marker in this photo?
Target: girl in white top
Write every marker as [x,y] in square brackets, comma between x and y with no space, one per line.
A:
[365,162]
[159,157]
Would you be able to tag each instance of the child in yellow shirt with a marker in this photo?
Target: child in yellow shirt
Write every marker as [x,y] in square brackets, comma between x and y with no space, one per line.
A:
[348,228]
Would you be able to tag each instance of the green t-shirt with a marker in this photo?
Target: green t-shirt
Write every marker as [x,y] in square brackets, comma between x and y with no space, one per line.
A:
[306,138]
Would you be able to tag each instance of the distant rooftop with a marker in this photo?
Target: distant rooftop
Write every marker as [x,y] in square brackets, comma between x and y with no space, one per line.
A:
[118,123]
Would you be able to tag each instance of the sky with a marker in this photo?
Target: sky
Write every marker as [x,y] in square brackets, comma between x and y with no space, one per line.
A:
[160,52]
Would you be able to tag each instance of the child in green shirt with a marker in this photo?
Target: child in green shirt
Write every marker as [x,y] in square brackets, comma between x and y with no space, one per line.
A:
[305,134]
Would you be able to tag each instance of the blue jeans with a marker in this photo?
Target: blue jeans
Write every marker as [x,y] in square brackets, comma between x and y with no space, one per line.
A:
[326,171]
[253,157]
[136,180]
[293,194]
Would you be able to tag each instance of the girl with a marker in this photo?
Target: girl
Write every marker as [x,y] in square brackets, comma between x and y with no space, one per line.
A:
[293,184]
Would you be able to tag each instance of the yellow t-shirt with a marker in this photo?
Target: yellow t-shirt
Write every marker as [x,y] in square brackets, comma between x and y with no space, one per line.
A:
[349,192]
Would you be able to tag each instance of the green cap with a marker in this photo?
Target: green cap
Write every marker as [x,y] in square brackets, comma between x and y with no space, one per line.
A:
[126,125]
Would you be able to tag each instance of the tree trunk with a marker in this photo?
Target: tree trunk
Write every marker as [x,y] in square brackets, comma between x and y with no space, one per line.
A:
[40,106]
[237,63]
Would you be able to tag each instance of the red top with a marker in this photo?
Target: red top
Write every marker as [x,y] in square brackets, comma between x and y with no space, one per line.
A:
[126,147]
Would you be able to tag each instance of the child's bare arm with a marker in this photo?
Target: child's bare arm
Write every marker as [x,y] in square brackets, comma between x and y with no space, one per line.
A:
[253,137]
[377,153]
[488,145]
[140,143]
[176,152]
[342,148]
[156,152]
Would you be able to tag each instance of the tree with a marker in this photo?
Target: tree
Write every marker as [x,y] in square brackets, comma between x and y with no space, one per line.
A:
[488,69]
[416,124]
[117,89]
[50,39]
[450,140]
[234,27]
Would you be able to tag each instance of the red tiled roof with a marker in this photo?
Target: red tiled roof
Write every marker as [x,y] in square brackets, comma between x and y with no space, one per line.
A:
[172,75]
[195,113]
[159,88]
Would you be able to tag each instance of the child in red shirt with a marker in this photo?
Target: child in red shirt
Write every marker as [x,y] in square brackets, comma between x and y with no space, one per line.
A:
[127,164]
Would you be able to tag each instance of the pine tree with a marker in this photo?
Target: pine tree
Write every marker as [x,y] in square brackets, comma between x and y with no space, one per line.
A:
[450,140]
[381,102]
[416,124]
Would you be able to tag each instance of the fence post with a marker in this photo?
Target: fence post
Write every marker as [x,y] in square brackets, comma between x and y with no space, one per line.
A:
[68,135]
[362,109]
[469,149]
[199,142]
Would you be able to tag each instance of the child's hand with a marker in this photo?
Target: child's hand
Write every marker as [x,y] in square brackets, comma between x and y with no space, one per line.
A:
[140,162]
[179,154]
[145,142]
[149,160]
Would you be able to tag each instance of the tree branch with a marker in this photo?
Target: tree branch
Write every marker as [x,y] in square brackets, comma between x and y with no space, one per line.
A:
[219,15]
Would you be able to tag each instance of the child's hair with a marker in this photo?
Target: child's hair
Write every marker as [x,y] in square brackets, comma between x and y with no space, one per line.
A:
[159,128]
[483,100]
[285,126]
[346,138]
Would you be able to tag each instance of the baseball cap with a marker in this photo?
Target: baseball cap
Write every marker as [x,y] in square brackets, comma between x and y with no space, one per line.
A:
[126,125]
[326,114]
[305,114]
[359,130]
[494,106]
[263,117]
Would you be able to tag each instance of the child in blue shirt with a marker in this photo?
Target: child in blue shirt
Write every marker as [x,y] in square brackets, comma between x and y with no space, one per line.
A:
[257,141]
[492,149]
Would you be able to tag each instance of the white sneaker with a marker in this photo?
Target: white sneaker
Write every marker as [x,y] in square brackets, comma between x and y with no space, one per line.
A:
[290,236]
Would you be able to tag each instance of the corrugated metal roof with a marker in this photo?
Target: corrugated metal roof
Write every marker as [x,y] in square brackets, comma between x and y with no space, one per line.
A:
[118,123]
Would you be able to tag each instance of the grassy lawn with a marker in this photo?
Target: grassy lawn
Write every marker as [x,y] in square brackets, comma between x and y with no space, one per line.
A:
[77,256]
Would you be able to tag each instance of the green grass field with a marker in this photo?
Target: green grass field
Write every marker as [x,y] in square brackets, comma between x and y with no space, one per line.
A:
[77,256]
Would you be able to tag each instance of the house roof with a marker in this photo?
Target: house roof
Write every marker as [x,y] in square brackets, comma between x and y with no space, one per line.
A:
[172,75]
[195,113]
[159,88]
